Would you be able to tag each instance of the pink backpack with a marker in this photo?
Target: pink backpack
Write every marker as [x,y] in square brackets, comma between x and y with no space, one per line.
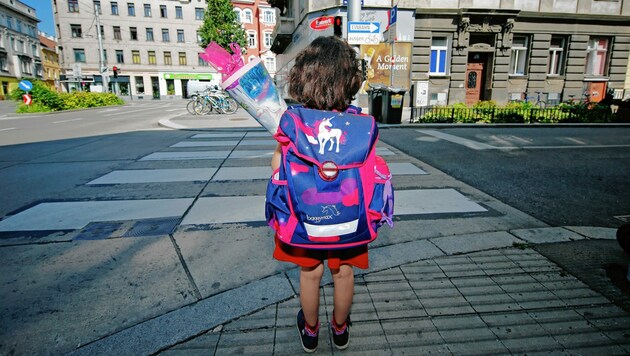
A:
[331,191]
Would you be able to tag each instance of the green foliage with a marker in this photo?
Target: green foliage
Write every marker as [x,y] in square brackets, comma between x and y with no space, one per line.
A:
[221,26]
[520,112]
[45,99]
[82,100]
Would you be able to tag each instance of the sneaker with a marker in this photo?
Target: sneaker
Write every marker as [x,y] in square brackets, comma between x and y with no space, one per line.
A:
[341,333]
[308,336]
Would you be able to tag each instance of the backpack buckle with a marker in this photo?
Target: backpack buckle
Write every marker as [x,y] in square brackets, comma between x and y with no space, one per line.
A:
[328,171]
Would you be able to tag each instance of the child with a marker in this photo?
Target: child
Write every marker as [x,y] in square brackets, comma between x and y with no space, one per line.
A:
[326,76]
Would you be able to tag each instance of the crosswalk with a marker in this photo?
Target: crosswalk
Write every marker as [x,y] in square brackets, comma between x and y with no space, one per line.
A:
[241,149]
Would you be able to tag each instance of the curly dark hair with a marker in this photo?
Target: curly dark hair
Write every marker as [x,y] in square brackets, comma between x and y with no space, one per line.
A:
[326,74]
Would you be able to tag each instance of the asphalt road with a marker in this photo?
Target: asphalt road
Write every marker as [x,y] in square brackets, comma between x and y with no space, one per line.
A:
[560,175]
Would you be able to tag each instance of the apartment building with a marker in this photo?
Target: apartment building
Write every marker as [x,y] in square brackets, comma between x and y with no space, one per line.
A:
[50,63]
[259,20]
[472,50]
[19,45]
[154,44]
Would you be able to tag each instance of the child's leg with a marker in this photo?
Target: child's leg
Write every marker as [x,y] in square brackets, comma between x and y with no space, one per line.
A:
[343,279]
[310,279]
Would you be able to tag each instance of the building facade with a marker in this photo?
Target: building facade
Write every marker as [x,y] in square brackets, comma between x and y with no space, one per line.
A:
[258,20]
[51,65]
[20,55]
[465,51]
[154,44]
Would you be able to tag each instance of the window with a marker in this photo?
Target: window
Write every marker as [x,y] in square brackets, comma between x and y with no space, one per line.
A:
[79,55]
[133,33]
[147,11]
[139,85]
[73,5]
[3,63]
[117,35]
[246,16]
[199,13]
[131,9]
[114,6]
[97,5]
[251,39]
[269,16]
[104,55]
[199,39]
[25,65]
[178,12]
[76,31]
[21,46]
[34,50]
[201,62]
[596,56]
[165,36]
[268,39]
[167,58]
[270,64]
[518,62]
[439,50]
[163,11]
[102,32]
[10,22]
[180,35]
[135,57]
[120,58]
[182,58]
[149,34]
[238,15]
[152,57]
[556,56]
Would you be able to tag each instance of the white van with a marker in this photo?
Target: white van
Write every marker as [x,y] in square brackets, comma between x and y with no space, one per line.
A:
[194,87]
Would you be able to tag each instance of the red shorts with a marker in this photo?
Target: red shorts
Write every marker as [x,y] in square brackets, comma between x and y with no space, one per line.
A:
[356,256]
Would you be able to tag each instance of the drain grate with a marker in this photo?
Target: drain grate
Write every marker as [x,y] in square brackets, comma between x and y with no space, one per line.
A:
[152,227]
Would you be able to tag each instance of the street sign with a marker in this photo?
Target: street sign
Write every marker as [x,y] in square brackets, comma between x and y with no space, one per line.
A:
[28,99]
[393,15]
[25,85]
[364,32]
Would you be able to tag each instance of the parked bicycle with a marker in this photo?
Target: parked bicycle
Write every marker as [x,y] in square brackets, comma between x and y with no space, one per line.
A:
[539,100]
[212,100]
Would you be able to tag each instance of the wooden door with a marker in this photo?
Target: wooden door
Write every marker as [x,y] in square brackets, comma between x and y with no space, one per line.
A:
[474,81]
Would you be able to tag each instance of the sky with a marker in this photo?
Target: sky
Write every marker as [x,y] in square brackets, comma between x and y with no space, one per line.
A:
[43,8]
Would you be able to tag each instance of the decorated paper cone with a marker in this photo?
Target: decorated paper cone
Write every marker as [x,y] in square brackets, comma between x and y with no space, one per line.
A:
[252,87]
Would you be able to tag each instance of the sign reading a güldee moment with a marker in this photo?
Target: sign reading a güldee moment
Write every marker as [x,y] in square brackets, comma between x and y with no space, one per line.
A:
[322,23]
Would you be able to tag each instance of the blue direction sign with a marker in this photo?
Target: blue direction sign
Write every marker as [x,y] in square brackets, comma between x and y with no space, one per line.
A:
[364,27]
[25,85]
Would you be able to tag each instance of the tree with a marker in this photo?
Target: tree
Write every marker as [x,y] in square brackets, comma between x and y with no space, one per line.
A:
[221,26]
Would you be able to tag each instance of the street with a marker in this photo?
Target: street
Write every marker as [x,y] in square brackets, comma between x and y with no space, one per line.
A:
[120,235]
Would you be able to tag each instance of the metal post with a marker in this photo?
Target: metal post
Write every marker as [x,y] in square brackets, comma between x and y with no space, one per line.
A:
[102,66]
[354,10]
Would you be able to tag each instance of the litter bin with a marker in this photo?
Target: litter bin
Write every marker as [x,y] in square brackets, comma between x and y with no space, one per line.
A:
[375,99]
[392,105]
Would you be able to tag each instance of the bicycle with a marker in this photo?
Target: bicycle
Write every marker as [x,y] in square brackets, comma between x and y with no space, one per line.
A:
[218,101]
[539,102]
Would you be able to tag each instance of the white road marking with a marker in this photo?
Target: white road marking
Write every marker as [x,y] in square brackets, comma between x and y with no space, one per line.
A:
[204,144]
[180,156]
[8,129]
[69,120]
[155,176]
[76,215]
[458,140]
[217,210]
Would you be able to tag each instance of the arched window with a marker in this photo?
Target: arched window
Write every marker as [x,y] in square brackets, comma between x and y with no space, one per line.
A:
[251,39]
[247,16]
[237,11]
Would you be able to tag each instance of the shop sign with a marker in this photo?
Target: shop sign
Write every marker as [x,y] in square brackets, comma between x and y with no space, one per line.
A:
[189,76]
[322,23]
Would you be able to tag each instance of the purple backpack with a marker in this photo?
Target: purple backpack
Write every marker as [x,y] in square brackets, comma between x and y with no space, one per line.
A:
[331,191]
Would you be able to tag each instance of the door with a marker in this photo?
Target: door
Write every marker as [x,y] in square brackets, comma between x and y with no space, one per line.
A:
[474,81]
[597,91]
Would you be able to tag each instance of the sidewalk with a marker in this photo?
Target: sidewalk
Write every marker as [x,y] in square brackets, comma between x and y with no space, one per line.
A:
[465,293]
[495,282]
